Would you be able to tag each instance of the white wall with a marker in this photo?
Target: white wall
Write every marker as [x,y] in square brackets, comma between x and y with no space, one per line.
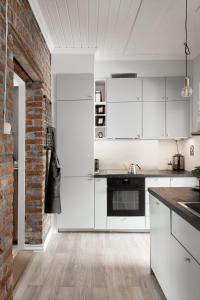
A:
[149,154]
[72,63]
[196,94]
[103,68]
[192,161]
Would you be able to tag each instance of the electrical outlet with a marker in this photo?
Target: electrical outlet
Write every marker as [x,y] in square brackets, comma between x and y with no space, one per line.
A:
[191,150]
[7,128]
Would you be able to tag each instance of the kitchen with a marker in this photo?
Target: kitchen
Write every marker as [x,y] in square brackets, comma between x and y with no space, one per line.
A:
[127,139]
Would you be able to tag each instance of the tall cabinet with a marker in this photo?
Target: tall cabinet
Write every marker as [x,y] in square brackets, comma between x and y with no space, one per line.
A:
[75,145]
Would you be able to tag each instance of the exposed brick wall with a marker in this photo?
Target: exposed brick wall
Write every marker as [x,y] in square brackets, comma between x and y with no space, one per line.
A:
[22,20]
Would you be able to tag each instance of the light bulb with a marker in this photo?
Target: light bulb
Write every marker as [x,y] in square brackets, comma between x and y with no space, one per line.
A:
[186,90]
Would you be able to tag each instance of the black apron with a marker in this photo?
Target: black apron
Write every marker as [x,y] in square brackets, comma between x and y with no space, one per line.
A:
[52,195]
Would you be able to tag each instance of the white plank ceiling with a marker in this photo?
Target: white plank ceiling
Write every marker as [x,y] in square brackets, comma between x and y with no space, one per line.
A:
[140,29]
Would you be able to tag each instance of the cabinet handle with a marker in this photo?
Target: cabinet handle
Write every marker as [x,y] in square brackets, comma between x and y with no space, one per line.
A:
[157,203]
[187,259]
[90,178]
[138,98]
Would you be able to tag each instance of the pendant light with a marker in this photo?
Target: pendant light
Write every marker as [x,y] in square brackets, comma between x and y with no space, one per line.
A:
[186,90]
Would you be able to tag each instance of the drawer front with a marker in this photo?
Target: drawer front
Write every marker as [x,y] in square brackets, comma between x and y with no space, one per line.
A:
[187,235]
[157,182]
[126,223]
[183,182]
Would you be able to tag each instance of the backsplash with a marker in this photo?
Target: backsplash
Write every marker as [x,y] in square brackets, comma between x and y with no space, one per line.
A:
[149,154]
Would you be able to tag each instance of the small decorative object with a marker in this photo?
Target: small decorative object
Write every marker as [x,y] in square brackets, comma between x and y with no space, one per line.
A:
[100,109]
[100,121]
[98,96]
[100,134]
[196,173]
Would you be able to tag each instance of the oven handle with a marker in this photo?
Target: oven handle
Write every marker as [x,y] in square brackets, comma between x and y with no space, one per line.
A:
[126,188]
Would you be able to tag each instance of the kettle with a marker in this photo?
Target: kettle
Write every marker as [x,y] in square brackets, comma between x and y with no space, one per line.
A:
[133,168]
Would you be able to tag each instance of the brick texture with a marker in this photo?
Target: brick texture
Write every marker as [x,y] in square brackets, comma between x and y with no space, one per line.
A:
[38,116]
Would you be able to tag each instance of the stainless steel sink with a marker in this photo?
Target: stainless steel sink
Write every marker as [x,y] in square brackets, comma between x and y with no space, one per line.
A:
[193,207]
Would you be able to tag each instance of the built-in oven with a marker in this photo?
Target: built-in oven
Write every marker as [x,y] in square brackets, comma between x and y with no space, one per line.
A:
[126,196]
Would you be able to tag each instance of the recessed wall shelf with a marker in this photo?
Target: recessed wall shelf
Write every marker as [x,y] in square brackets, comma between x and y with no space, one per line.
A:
[100,109]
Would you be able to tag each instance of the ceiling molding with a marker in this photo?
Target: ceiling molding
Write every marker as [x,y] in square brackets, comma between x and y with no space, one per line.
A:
[74,51]
[42,24]
[140,57]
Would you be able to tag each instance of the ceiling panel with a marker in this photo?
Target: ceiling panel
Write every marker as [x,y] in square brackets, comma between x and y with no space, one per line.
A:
[125,28]
[93,23]
[83,11]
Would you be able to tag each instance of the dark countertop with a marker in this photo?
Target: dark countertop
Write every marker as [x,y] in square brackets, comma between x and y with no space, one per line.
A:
[171,196]
[142,173]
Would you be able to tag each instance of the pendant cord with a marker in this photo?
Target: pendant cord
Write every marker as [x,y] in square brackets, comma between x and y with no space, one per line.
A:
[187,49]
[6,64]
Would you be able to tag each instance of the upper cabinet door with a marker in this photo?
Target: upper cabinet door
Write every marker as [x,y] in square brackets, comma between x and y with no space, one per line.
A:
[177,119]
[124,120]
[75,87]
[153,120]
[174,86]
[124,89]
[154,89]
[75,137]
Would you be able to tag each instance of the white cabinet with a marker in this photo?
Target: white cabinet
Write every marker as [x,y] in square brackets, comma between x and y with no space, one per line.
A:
[185,274]
[160,242]
[187,235]
[174,86]
[183,181]
[77,203]
[100,203]
[126,223]
[177,118]
[157,182]
[124,89]
[75,137]
[154,89]
[124,120]
[75,87]
[154,120]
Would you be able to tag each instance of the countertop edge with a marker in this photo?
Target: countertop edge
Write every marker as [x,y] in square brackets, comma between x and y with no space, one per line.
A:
[144,175]
[182,212]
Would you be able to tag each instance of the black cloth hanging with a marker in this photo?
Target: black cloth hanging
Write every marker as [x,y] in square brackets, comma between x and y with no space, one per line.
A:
[52,195]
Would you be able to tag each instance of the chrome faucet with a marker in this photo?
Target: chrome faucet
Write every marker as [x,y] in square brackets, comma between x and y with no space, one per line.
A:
[133,168]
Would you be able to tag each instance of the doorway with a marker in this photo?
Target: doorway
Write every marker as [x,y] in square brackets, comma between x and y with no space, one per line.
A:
[19,163]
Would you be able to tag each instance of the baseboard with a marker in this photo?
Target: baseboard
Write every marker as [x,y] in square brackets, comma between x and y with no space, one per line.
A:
[40,247]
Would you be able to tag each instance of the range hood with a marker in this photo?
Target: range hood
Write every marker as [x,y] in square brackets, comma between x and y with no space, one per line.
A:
[195,133]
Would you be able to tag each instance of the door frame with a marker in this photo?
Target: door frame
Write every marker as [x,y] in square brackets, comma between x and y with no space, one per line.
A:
[21,159]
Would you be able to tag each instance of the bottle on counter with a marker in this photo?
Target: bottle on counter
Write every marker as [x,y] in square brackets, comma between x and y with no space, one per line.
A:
[170,166]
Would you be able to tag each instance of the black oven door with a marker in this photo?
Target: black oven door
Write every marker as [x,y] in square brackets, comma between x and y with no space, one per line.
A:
[125,201]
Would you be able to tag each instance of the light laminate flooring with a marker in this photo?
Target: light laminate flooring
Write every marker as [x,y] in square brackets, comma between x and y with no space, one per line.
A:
[91,266]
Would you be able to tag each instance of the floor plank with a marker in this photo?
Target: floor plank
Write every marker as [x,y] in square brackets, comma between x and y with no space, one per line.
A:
[91,266]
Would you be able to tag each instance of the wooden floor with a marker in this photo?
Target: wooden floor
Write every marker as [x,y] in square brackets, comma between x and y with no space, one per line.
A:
[91,266]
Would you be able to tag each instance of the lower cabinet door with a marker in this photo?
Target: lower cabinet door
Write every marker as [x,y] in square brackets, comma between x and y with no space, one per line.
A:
[160,242]
[77,203]
[185,274]
[100,203]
